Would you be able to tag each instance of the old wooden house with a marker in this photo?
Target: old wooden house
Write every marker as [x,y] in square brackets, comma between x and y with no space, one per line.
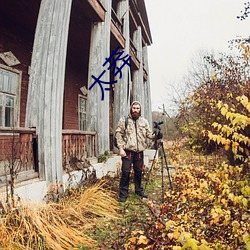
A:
[50,50]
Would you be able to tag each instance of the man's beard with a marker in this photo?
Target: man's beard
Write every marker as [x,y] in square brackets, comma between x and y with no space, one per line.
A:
[135,115]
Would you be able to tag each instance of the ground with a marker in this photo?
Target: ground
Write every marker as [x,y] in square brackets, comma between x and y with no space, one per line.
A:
[136,213]
[207,209]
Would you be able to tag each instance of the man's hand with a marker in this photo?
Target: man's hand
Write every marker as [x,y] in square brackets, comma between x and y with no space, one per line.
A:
[122,152]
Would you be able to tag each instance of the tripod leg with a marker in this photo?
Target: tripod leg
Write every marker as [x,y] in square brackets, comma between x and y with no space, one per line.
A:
[162,178]
[150,170]
[165,158]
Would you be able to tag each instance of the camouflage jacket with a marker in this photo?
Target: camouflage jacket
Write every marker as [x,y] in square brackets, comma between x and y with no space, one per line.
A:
[136,134]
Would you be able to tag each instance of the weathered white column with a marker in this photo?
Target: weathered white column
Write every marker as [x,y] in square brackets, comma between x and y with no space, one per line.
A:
[45,95]
[121,92]
[147,92]
[98,110]
[138,89]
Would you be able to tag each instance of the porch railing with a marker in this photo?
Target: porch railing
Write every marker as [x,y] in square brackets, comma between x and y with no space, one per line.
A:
[116,20]
[78,145]
[17,153]
[18,149]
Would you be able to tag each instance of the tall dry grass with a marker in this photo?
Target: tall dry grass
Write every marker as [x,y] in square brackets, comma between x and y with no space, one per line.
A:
[62,225]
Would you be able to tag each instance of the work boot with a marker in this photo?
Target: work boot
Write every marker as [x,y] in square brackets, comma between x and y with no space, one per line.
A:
[122,199]
[142,195]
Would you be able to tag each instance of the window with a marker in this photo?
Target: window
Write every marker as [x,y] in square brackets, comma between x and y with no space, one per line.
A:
[82,103]
[9,97]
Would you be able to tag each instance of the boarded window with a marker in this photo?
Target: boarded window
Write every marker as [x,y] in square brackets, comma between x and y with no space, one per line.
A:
[82,103]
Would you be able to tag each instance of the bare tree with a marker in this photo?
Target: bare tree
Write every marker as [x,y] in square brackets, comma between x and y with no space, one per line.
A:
[245,12]
[12,167]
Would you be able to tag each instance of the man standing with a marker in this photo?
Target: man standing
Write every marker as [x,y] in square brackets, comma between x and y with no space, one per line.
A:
[132,141]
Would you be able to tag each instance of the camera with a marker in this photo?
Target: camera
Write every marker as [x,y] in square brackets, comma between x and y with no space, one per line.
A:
[157,125]
[157,131]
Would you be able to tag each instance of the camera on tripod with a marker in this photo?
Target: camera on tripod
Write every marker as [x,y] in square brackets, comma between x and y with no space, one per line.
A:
[159,148]
[157,131]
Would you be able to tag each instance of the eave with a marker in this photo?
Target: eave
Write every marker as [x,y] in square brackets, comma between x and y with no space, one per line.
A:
[93,9]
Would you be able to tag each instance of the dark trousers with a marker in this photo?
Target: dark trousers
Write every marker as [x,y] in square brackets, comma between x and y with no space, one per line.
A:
[135,158]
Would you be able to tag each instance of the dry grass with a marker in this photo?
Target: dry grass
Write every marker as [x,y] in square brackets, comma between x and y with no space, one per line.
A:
[62,225]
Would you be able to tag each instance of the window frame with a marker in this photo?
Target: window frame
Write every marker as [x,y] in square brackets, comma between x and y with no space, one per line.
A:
[17,96]
[79,111]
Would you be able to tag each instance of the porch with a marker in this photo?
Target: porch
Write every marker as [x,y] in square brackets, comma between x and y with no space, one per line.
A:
[19,152]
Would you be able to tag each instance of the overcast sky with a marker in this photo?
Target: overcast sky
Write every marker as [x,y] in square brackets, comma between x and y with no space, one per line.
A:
[181,28]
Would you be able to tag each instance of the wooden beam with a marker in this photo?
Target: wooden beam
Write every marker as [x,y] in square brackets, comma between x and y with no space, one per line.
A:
[98,8]
[77,132]
[144,30]
[46,85]
[137,76]
[98,101]
[135,61]
[138,20]
[92,9]
[17,130]
[116,19]
[133,18]
[117,34]
[121,99]
[144,16]
[133,4]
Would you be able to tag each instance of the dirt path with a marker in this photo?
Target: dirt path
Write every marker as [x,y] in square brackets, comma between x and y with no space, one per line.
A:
[137,214]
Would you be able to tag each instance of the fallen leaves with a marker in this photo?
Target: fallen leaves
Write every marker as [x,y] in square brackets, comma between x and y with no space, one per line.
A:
[208,208]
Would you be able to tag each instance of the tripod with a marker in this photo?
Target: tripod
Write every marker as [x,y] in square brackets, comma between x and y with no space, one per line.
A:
[159,148]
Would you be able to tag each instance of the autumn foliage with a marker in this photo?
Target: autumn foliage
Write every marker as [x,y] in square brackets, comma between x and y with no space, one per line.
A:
[223,78]
[209,205]
[208,208]
[235,134]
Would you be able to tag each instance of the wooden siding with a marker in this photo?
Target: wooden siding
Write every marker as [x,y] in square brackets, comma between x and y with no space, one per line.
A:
[97,109]
[47,85]
[138,74]
[121,91]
